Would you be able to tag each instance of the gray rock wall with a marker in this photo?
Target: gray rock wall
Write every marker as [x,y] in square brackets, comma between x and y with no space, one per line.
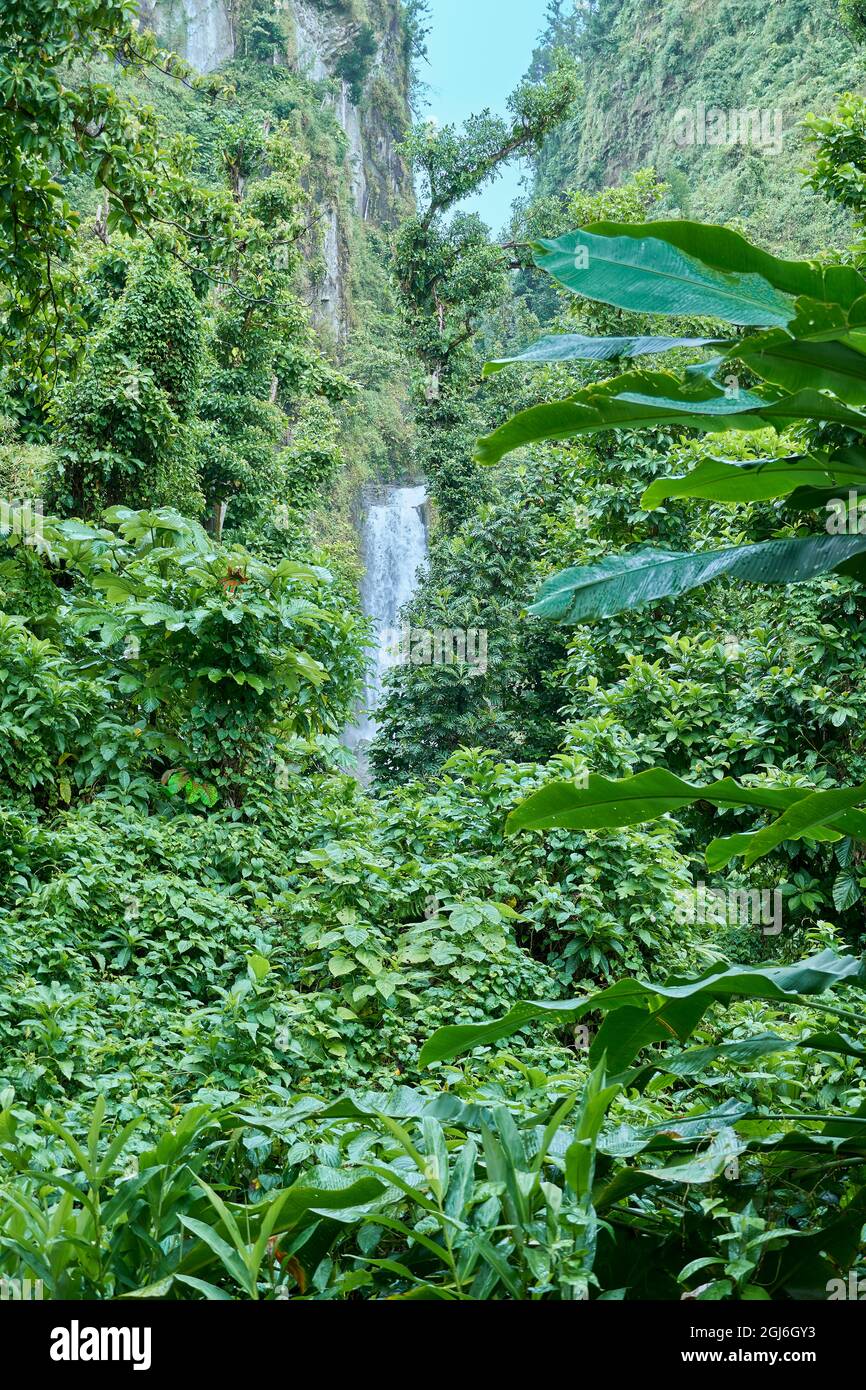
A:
[377,182]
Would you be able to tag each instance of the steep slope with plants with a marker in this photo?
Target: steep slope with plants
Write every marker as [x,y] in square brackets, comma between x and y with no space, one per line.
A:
[353,60]
[570,1005]
[711,95]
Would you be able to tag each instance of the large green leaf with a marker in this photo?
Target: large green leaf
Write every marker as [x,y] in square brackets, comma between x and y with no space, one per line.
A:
[703,1167]
[606,804]
[720,852]
[800,364]
[574,347]
[298,1204]
[652,276]
[641,400]
[627,1030]
[695,1060]
[758,480]
[801,819]
[405,1103]
[728,251]
[621,582]
[809,499]
[671,1135]
[801,405]
[717,982]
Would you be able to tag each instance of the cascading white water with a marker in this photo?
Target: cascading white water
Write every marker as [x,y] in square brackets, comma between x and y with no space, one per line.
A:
[394,546]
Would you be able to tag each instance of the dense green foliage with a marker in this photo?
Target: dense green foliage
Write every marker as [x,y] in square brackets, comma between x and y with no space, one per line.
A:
[655,77]
[569,1003]
[451,275]
[48,125]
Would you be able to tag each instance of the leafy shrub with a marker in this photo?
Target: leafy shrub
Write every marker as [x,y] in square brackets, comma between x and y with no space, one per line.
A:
[122,424]
[353,65]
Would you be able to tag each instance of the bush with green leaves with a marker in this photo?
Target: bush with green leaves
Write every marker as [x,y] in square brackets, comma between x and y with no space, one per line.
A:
[123,425]
[60,732]
[529,1186]
[308,933]
[210,644]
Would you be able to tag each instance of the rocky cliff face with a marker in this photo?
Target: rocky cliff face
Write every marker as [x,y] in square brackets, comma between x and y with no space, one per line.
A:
[201,31]
[317,35]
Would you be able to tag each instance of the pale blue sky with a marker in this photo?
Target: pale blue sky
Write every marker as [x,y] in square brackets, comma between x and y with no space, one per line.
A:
[479,50]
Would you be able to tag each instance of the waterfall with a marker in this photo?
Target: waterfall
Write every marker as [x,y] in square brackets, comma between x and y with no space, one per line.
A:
[394,546]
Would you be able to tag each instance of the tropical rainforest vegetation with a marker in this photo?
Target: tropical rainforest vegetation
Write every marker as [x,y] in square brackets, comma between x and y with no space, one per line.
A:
[568,1003]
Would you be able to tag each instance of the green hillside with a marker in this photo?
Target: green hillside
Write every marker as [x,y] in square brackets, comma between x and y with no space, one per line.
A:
[643,62]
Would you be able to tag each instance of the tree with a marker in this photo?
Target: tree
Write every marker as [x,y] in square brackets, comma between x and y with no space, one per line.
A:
[124,424]
[51,127]
[806,353]
[838,171]
[262,361]
[417,24]
[853,16]
[450,275]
